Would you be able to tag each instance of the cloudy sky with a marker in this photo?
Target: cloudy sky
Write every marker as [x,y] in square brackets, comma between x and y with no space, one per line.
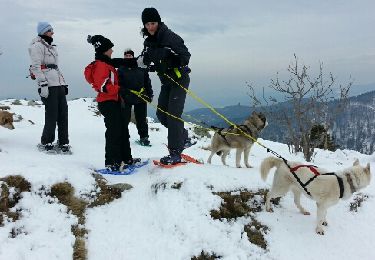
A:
[231,42]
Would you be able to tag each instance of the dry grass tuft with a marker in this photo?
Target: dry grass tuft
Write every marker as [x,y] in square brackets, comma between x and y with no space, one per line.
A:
[206,256]
[79,249]
[11,189]
[107,193]
[244,203]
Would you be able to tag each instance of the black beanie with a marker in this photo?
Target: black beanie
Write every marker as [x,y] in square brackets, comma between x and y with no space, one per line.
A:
[129,51]
[100,43]
[150,15]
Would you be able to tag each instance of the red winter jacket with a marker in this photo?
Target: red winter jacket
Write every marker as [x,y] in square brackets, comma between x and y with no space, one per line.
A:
[105,81]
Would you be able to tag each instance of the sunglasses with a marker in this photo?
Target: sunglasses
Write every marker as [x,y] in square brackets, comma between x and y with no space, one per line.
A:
[50,30]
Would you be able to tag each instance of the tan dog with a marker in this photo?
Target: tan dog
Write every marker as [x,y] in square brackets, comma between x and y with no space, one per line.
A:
[232,138]
[6,119]
[324,189]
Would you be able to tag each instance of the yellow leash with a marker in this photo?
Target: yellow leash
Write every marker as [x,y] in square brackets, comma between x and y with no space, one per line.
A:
[192,94]
[143,97]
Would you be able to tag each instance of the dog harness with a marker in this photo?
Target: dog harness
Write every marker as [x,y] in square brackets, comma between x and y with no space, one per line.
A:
[246,129]
[313,169]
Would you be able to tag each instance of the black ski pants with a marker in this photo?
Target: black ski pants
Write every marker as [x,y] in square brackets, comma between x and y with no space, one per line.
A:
[117,146]
[172,100]
[56,112]
[140,113]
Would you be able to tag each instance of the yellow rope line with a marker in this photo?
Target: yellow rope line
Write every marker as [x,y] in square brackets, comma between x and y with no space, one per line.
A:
[192,94]
[142,96]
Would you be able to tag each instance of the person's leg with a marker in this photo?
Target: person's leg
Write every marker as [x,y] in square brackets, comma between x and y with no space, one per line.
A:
[176,132]
[62,119]
[112,119]
[50,116]
[163,102]
[140,112]
[126,155]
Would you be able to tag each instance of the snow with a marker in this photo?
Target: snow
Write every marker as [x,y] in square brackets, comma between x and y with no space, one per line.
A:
[154,220]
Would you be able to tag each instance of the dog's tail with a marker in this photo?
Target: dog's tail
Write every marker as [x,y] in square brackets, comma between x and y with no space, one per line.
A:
[268,164]
[208,148]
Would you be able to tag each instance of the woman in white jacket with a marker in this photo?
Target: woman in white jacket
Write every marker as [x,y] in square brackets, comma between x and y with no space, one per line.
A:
[51,88]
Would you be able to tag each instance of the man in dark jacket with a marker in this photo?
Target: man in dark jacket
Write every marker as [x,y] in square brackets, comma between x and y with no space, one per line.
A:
[132,77]
[167,51]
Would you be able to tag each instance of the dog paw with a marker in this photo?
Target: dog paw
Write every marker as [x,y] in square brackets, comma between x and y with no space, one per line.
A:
[269,210]
[324,223]
[319,231]
[306,213]
[238,166]
[248,166]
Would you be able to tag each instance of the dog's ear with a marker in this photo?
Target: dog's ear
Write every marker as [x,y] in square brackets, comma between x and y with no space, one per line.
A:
[367,169]
[356,162]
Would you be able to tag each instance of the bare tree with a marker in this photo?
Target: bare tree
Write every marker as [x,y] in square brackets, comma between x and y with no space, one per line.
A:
[306,102]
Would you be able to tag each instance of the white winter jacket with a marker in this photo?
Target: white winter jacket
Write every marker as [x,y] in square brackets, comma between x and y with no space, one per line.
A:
[41,53]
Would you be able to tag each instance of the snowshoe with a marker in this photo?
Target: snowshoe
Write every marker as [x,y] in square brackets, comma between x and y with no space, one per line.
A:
[47,148]
[185,159]
[64,149]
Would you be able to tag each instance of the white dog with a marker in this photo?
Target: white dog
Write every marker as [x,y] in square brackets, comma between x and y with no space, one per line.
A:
[323,187]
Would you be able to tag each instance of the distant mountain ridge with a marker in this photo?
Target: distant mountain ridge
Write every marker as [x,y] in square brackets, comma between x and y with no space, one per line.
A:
[353,129]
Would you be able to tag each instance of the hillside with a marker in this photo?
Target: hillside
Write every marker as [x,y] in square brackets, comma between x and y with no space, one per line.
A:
[189,212]
[353,129]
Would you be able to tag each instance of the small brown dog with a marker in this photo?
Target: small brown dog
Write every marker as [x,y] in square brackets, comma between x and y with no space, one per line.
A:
[233,138]
[6,119]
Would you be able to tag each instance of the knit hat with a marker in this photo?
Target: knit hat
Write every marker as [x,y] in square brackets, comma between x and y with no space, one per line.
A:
[150,15]
[43,27]
[100,43]
[129,51]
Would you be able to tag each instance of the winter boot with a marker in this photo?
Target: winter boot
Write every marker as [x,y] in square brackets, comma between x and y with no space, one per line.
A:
[65,149]
[130,162]
[174,157]
[144,141]
[49,147]
[115,167]
[189,142]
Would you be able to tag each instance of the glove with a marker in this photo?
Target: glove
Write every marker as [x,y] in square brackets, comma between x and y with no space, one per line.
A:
[161,67]
[146,59]
[151,68]
[174,61]
[66,90]
[43,89]
[164,53]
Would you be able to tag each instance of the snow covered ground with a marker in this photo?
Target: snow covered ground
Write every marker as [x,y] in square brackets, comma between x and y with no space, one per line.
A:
[156,221]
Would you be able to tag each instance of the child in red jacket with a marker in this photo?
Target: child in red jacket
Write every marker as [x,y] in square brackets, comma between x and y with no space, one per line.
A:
[104,79]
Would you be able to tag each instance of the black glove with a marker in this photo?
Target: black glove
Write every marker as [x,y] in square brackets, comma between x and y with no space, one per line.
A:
[151,68]
[164,53]
[66,90]
[146,59]
[161,67]
[174,61]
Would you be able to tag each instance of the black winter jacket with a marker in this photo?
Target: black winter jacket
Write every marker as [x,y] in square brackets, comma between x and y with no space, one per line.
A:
[131,77]
[167,51]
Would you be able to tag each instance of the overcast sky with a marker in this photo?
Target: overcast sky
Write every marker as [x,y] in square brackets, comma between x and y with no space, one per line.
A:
[231,42]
